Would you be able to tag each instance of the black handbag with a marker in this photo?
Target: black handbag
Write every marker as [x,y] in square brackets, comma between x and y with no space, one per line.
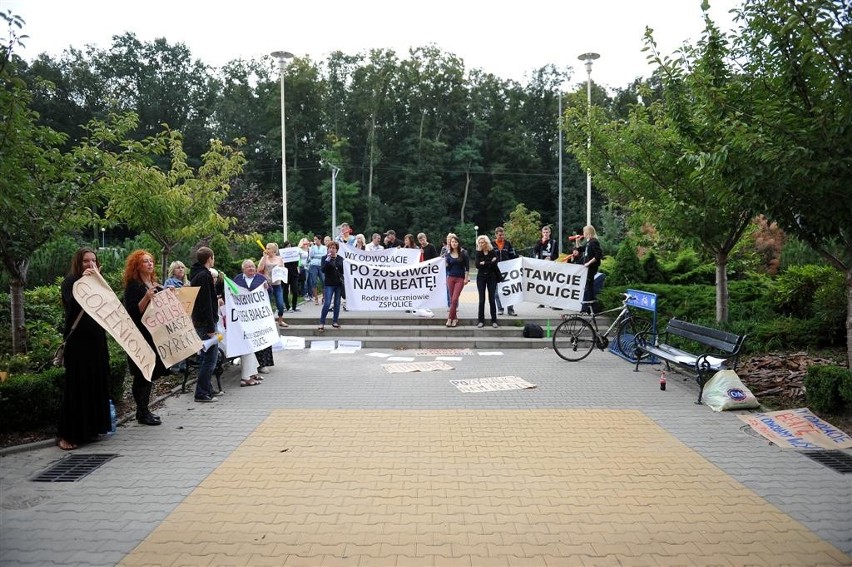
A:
[59,355]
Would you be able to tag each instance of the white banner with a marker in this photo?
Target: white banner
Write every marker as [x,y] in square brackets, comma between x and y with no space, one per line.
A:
[250,323]
[387,257]
[555,284]
[395,288]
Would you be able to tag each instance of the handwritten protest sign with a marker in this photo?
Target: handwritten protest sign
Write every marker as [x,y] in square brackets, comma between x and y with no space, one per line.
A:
[540,281]
[289,254]
[395,288]
[249,321]
[798,429]
[171,328]
[381,258]
[186,295]
[101,304]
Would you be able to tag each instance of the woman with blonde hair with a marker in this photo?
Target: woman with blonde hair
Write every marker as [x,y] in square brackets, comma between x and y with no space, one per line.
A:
[592,256]
[271,260]
[177,275]
[140,285]
[487,275]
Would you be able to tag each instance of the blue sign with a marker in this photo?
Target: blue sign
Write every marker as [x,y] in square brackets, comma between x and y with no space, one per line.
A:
[642,299]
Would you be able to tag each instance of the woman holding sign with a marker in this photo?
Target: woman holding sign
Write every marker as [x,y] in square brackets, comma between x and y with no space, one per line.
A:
[84,413]
[140,285]
[272,267]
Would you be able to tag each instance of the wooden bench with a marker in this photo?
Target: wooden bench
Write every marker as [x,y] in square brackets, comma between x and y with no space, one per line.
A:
[718,350]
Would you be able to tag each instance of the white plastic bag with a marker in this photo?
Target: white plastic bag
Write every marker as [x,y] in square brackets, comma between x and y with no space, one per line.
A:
[724,391]
[424,313]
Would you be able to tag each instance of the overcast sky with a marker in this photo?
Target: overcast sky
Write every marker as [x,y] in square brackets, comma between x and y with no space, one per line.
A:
[503,38]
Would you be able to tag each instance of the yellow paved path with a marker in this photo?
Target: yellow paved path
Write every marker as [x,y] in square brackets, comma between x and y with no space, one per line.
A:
[473,488]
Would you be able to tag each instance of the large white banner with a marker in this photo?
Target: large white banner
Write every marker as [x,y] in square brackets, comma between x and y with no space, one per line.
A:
[556,284]
[387,257]
[249,321]
[370,287]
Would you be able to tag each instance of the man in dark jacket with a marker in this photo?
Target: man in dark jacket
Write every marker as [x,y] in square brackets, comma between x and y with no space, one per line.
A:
[391,240]
[205,314]
[504,250]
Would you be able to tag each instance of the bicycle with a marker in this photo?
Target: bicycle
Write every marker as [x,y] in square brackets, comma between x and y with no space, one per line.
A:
[577,334]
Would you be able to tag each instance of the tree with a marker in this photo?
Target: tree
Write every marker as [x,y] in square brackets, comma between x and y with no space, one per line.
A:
[523,228]
[676,161]
[44,192]
[175,205]
[797,59]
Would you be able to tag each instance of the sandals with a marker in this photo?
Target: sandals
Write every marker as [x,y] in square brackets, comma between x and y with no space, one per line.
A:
[282,324]
[249,382]
[321,328]
[336,325]
[66,445]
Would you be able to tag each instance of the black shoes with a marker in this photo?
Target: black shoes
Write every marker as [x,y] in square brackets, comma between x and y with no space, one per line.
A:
[149,419]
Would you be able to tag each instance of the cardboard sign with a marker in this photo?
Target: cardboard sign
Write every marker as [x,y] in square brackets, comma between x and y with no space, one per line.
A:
[798,429]
[186,295]
[101,304]
[171,327]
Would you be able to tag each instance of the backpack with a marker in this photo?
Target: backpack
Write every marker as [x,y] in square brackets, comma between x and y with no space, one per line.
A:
[533,331]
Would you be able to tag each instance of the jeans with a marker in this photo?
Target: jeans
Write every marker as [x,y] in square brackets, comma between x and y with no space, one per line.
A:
[277,294]
[206,364]
[455,285]
[488,284]
[329,292]
[314,275]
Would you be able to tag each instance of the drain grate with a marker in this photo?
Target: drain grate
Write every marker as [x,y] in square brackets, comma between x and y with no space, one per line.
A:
[835,460]
[74,467]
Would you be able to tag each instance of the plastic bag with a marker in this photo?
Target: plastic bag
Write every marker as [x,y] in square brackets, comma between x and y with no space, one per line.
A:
[724,391]
[424,313]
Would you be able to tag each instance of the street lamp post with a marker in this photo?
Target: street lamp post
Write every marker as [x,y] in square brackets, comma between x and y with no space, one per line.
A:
[559,125]
[334,171]
[282,57]
[588,58]
[103,237]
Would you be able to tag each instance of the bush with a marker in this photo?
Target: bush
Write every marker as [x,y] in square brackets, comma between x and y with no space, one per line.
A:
[823,385]
[628,269]
[30,401]
[653,269]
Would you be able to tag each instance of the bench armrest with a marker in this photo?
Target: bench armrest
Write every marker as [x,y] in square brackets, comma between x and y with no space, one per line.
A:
[704,364]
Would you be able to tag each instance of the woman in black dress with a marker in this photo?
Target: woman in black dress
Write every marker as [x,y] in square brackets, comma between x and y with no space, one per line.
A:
[84,413]
[140,285]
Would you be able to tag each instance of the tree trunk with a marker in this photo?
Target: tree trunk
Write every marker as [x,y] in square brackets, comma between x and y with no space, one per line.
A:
[849,318]
[466,188]
[372,138]
[721,287]
[18,279]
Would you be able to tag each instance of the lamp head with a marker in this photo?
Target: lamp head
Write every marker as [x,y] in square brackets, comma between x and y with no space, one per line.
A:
[282,55]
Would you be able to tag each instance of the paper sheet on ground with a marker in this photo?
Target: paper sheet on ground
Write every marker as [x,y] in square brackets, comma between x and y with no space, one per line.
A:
[416,367]
[378,354]
[448,358]
[797,429]
[495,384]
[444,352]
[322,345]
[344,350]
[401,359]
[490,353]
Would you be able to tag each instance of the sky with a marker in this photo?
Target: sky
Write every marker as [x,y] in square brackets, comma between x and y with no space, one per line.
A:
[509,40]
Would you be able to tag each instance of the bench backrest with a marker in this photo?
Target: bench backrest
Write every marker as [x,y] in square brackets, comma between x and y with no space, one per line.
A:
[714,338]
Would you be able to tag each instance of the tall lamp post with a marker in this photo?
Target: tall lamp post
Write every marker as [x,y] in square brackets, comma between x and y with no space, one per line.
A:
[334,171]
[282,57]
[588,58]
[559,125]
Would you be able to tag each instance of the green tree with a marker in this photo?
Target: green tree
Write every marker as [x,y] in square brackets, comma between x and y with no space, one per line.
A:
[797,59]
[174,205]
[675,162]
[523,228]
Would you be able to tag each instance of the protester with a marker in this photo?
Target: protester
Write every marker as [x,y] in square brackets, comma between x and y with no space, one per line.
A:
[592,256]
[360,243]
[84,411]
[345,236]
[428,250]
[315,255]
[291,287]
[409,242]
[487,275]
[458,265]
[205,314]
[304,255]
[177,275]
[504,251]
[332,268]
[391,240]
[271,260]
[256,363]
[140,285]
[546,248]
[375,243]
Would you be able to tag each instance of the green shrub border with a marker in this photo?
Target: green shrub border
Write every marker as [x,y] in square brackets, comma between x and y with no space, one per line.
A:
[828,389]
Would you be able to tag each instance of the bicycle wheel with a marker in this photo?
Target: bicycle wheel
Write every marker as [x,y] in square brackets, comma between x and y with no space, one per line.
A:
[573,339]
[626,337]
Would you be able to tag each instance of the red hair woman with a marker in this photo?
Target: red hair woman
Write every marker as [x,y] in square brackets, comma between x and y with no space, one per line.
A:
[140,285]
